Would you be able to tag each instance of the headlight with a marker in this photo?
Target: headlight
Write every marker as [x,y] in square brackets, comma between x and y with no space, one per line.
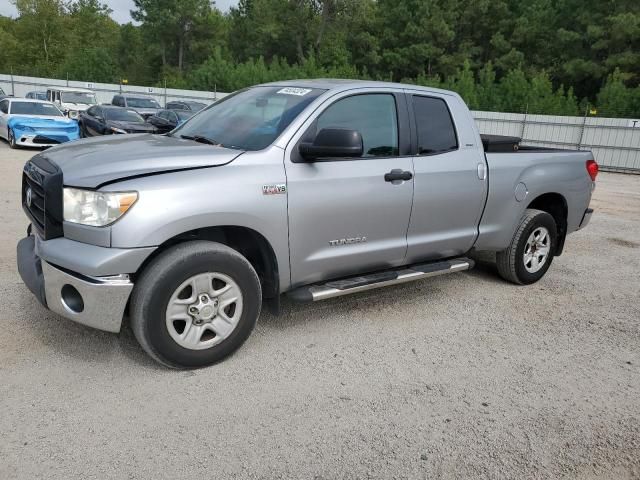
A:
[96,208]
[117,130]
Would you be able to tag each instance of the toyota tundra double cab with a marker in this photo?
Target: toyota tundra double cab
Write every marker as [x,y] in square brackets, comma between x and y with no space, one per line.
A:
[313,189]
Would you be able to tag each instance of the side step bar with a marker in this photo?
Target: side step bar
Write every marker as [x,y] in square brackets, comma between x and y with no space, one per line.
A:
[346,286]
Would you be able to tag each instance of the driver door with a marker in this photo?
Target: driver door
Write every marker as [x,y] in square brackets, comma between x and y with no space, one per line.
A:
[344,216]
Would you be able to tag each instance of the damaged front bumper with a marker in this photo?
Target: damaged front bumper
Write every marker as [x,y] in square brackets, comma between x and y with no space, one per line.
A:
[98,302]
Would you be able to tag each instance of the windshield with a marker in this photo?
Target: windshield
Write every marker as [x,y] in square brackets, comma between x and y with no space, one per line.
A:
[122,115]
[142,103]
[78,97]
[195,106]
[33,108]
[249,119]
[185,115]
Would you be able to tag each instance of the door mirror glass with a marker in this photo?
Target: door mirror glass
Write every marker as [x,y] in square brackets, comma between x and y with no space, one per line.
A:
[333,143]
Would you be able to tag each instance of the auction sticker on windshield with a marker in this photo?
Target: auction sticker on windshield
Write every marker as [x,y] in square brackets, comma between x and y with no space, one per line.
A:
[294,91]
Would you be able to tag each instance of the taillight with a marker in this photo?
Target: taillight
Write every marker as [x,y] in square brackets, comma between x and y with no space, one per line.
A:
[592,169]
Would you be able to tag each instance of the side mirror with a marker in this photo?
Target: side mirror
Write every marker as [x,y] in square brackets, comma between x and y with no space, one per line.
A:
[333,143]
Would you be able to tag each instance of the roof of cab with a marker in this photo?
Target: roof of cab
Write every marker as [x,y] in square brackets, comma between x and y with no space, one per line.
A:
[134,95]
[341,84]
[70,89]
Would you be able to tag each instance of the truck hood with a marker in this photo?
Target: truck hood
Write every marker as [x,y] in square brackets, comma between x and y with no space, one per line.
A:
[93,162]
[75,106]
[145,112]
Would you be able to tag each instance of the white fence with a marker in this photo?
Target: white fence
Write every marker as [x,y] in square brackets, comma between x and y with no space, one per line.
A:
[19,86]
[615,142]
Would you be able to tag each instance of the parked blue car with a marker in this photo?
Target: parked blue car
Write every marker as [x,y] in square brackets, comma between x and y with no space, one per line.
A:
[34,123]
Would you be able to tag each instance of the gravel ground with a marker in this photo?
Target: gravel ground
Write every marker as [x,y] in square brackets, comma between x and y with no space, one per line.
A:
[462,376]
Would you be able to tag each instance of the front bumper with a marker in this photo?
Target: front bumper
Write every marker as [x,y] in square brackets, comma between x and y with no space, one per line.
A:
[46,139]
[97,302]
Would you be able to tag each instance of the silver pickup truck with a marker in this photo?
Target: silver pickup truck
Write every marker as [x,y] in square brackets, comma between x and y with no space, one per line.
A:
[312,188]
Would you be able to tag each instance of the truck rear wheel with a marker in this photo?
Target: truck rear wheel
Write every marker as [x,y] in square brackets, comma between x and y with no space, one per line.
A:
[532,249]
[195,304]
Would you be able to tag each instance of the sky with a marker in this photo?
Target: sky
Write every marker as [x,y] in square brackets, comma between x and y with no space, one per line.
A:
[120,8]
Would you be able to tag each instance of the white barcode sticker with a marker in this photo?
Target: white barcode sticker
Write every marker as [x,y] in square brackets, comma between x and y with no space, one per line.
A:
[294,91]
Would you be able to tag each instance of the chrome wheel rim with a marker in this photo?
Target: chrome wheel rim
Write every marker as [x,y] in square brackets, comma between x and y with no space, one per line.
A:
[536,250]
[204,310]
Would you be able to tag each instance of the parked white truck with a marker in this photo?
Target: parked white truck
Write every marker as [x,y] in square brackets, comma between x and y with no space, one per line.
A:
[312,188]
[71,100]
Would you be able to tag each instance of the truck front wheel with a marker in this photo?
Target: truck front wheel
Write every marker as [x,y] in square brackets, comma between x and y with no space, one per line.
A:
[532,249]
[195,304]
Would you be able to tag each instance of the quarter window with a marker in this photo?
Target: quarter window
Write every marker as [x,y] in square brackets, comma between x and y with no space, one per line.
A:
[373,115]
[436,131]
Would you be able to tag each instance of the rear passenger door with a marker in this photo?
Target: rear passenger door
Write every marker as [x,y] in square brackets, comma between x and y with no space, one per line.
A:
[450,185]
[344,216]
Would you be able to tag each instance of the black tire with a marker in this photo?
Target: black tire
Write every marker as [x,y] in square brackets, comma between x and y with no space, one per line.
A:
[11,138]
[83,133]
[511,263]
[164,275]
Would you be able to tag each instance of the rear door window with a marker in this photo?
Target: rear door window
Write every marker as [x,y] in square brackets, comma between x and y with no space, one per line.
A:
[436,130]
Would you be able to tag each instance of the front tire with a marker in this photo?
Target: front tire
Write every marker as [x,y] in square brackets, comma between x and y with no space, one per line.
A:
[195,304]
[11,138]
[532,249]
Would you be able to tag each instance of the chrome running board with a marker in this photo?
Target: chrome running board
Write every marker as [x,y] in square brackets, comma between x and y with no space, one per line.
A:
[347,286]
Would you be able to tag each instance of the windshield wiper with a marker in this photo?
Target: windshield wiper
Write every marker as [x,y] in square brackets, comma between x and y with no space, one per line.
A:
[201,139]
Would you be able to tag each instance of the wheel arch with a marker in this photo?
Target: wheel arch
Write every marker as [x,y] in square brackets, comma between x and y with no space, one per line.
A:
[248,242]
[555,205]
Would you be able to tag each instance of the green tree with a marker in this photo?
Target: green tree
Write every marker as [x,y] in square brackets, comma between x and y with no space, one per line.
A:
[171,23]
[42,34]
[616,99]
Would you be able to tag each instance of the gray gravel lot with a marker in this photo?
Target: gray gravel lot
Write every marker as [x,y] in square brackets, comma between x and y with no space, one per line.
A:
[462,376]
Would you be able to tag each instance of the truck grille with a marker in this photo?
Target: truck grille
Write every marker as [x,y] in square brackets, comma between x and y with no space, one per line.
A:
[42,196]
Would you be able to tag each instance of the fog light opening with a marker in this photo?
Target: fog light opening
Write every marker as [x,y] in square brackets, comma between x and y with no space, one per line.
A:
[71,299]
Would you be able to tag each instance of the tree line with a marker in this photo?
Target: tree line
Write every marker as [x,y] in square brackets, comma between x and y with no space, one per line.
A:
[541,56]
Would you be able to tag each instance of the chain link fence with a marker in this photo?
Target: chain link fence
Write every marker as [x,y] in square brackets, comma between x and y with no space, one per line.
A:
[615,142]
[19,86]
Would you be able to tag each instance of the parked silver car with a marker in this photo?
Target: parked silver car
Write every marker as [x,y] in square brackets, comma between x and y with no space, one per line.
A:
[312,188]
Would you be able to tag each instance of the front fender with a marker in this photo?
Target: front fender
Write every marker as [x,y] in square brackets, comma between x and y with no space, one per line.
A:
[174,203]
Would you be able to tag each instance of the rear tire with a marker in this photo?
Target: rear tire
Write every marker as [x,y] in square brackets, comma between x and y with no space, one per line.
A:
[182,327]
[532,249]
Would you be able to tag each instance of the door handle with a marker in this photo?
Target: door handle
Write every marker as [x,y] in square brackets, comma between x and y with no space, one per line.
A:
[397,174]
